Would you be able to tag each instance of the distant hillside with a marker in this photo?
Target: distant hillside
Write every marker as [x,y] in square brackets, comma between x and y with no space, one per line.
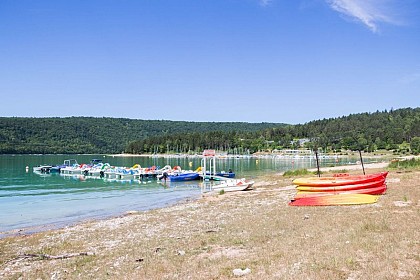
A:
[392,130]
[365,131]
[98,135]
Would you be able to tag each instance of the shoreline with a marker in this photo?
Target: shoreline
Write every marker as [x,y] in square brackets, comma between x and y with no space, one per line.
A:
[261,154]
[60,225]
[31,230]
[209,237]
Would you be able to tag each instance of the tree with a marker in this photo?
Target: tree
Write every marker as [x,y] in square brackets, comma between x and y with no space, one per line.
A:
[415,145]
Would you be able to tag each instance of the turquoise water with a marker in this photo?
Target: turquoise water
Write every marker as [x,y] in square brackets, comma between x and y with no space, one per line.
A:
[32,202]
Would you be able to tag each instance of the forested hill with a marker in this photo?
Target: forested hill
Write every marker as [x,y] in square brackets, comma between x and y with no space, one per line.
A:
[391,130]
[98,135]
[378,130]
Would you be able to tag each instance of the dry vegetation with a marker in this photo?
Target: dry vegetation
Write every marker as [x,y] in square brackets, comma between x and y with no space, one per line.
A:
[209,238]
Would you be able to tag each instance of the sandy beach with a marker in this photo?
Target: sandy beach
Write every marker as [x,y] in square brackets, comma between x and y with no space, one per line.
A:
[353,167]
[247,235]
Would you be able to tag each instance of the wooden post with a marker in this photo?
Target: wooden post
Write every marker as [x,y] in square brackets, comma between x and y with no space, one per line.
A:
[361,160]
[317,162]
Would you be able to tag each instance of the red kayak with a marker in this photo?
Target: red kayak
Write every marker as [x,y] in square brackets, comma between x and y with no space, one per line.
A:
[367,185]
[340,180]
[374,191]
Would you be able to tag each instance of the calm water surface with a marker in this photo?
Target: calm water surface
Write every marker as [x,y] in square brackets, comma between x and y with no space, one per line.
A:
[34,202]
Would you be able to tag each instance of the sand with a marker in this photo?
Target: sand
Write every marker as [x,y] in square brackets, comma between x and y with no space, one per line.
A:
[354,167]
[246,235]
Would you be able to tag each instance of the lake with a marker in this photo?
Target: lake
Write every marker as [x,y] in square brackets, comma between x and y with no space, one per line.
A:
[31,202]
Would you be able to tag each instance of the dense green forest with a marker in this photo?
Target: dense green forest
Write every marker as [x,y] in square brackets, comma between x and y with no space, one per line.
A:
[75,135]
[391,130]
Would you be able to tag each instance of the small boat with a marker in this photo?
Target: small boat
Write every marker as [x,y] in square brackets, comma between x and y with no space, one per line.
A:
[229,174]
[42,169]
[234,185]
[74,168]
[181,177]
[98,170]
[335,200]
[219,175]
[340,180]
[66,163]
[125,173]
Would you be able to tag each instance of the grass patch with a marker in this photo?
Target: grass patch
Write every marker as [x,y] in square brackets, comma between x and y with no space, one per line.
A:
[375,226]
[297,172]
[83,262]
[405,164]
[340,171]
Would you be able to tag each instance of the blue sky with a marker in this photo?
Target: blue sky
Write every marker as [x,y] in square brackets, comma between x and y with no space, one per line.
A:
[289,61]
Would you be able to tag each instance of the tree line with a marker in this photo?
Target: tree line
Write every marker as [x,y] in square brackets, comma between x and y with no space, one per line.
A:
[84,135]
[397,130]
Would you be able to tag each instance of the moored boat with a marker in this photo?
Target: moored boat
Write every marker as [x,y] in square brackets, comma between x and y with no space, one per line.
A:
[42,168]
[97,170]
[66,163]
[224,174]
[218,176]
[181,177]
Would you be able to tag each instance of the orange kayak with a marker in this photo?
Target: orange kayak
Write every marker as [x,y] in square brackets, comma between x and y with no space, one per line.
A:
[374,191]
[340,181]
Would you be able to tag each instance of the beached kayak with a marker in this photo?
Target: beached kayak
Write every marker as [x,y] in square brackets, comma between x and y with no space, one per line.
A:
[339,199]
[374,191]
[340,181]
[349,187]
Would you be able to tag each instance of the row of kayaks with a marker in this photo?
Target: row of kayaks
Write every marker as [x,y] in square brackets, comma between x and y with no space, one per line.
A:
[341,189]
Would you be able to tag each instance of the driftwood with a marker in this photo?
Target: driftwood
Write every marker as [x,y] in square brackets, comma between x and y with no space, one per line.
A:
[51,257]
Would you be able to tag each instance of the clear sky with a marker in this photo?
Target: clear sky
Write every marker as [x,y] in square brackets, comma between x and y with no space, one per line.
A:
[289,61]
